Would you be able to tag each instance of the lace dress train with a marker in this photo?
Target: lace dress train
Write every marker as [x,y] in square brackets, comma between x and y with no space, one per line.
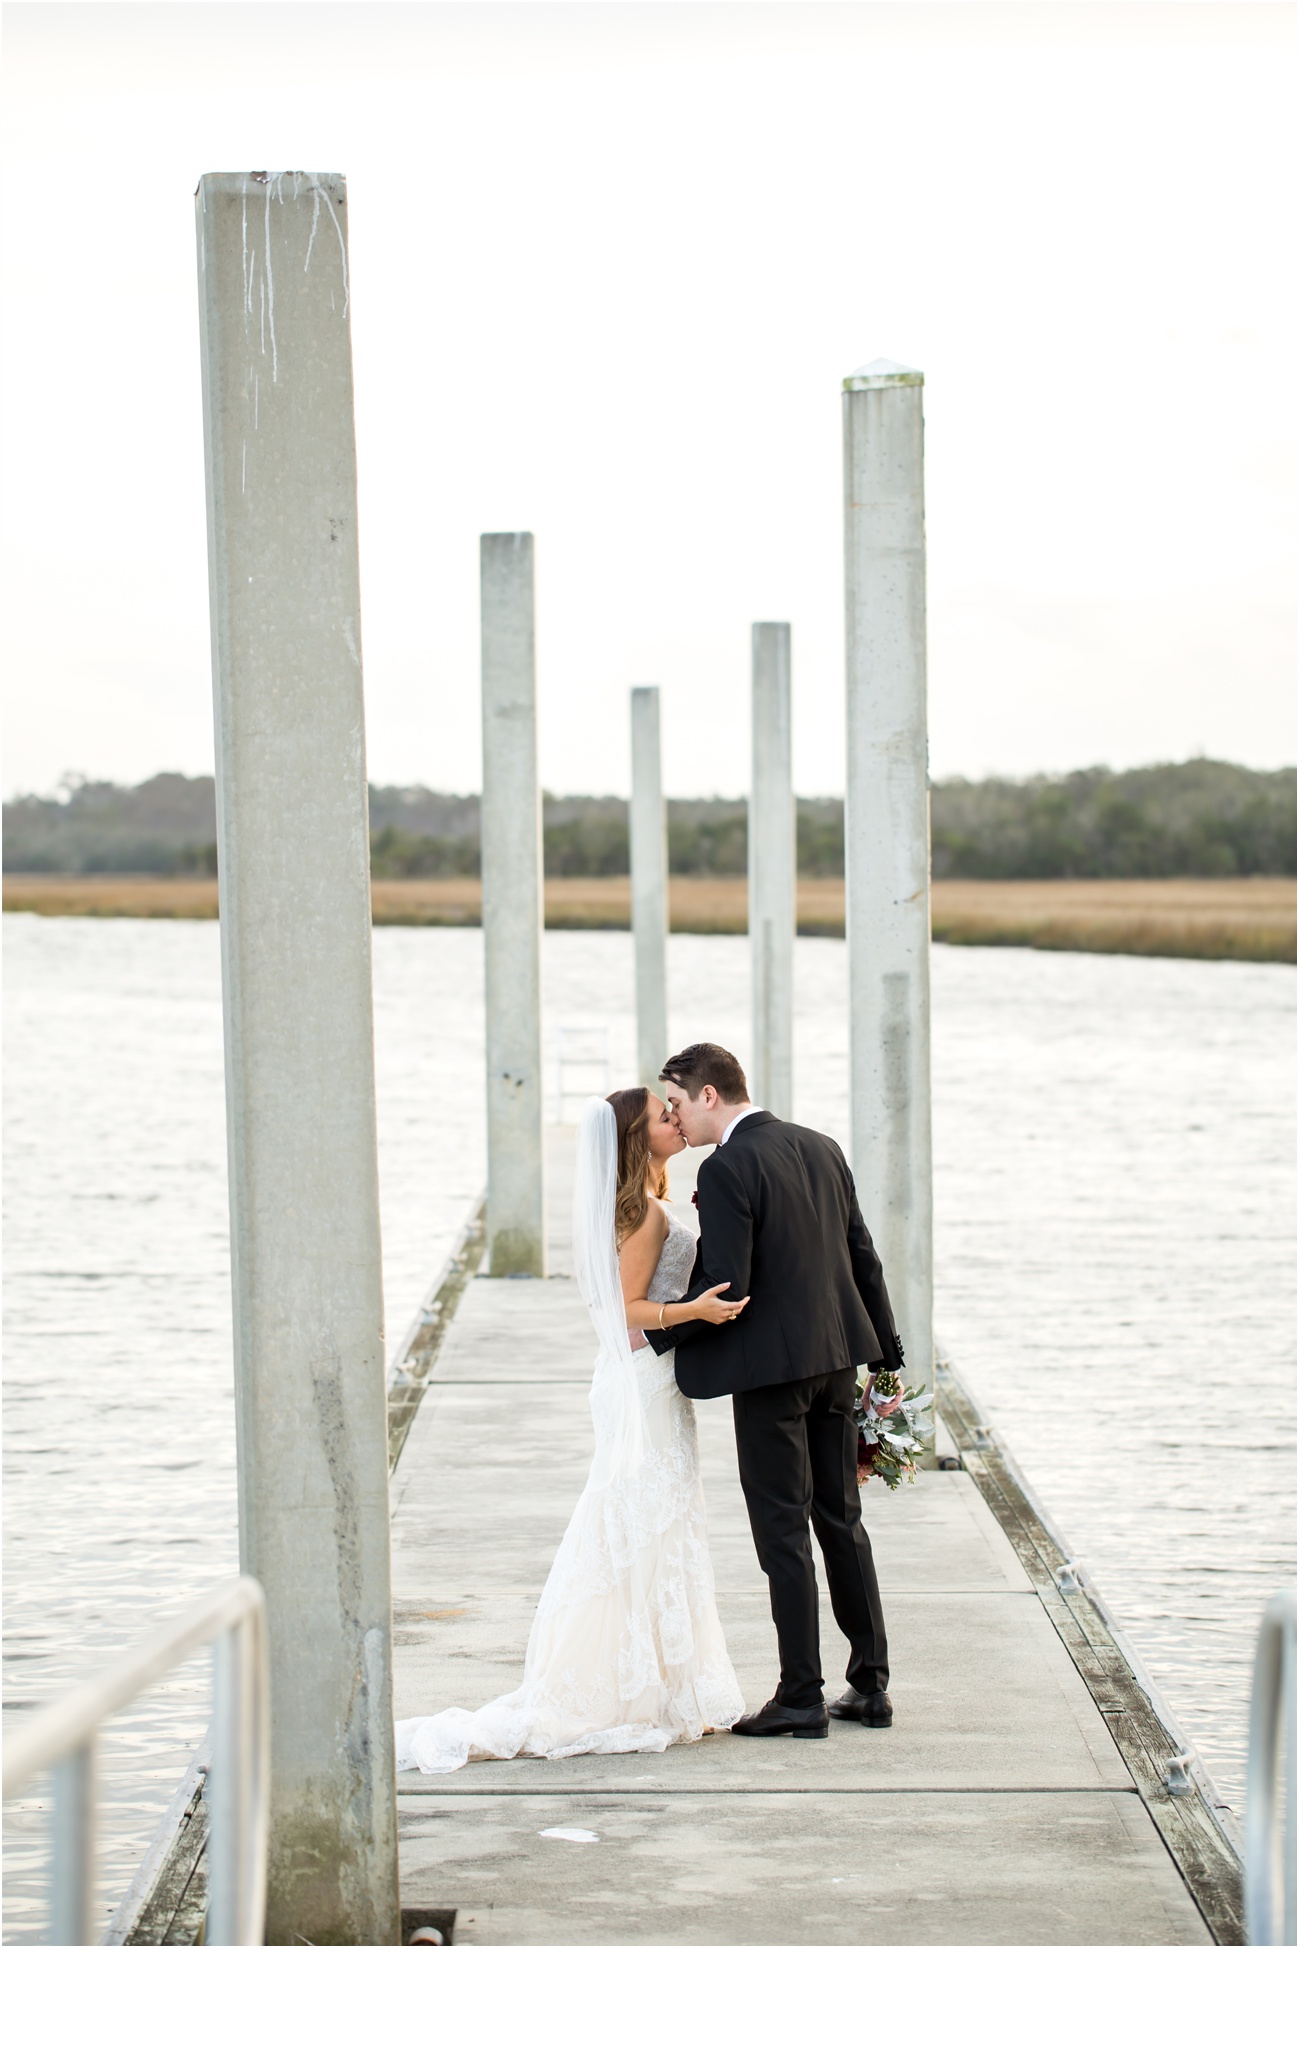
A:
[626,1650]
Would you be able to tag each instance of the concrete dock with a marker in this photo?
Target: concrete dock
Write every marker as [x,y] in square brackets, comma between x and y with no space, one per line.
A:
[997,1811]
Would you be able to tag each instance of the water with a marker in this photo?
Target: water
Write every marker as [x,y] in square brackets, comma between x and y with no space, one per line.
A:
[1114,1188]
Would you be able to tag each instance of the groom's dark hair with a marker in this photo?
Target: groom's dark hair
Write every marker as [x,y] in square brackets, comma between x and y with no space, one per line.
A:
[707,1066]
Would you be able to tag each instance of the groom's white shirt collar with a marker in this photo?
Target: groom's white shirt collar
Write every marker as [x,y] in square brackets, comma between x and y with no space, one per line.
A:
[752,1110]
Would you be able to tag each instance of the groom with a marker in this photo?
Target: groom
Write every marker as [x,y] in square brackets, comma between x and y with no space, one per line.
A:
[779,1222]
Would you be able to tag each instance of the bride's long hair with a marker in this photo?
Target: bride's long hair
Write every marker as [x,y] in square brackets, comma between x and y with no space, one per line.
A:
[631,1114]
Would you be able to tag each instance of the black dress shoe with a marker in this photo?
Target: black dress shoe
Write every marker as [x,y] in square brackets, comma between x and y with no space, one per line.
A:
[778,1719]
[872,1709]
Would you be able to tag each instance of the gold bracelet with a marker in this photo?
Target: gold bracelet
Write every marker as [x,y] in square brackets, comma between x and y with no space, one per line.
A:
[662,1312]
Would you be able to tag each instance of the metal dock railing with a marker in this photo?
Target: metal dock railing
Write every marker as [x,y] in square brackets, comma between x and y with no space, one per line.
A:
[64,1738]
[1270,1832]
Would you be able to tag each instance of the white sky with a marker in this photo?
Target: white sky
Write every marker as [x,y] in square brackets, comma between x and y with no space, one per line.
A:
[610,264]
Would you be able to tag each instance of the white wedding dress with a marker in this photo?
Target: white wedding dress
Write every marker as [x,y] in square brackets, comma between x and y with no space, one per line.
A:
[626,1650]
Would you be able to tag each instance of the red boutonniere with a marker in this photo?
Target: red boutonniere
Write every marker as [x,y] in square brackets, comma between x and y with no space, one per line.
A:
[694,1196]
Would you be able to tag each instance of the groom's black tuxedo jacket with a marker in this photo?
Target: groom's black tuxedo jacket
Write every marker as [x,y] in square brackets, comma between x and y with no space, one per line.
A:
[779,1220]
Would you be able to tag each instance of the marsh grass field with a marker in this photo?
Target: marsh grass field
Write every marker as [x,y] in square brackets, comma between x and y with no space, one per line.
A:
[1241,918]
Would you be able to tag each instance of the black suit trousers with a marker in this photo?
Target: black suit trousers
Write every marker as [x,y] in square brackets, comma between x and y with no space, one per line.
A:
[797,1445]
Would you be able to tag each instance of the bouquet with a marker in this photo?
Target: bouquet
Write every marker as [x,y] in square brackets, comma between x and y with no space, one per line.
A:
[887,1444]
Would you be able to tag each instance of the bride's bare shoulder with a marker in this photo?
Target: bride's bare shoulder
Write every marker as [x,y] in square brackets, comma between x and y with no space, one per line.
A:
[652,1228]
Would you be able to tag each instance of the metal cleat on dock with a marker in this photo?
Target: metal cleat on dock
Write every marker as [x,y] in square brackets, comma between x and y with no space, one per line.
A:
[428,1926]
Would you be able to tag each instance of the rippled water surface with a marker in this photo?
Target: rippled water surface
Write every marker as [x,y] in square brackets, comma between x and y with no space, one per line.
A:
[1114,1188]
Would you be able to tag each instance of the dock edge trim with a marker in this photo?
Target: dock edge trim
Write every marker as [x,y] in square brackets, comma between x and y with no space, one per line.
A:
[1193,1831]
[414,1363]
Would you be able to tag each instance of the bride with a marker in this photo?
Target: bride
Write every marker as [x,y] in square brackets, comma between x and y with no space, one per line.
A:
[626,1650]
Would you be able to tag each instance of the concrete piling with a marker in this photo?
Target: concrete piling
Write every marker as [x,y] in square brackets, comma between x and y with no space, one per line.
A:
[772,874]
[886,835]
[512,909]
[293,840]
[649,887]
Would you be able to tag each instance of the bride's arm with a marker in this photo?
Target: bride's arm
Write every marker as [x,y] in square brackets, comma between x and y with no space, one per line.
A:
[637,1257]
[636,1263]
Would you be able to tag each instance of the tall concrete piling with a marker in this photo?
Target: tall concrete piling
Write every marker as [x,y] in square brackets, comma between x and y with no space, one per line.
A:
[649,887]
[886,834]
[772,874]
[293,845]
[512,909]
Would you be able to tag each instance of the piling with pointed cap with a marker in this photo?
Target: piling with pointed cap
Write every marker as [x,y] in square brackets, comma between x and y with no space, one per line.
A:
[649,887]
[512,908]
[886,835]
[772,874]
[293,846]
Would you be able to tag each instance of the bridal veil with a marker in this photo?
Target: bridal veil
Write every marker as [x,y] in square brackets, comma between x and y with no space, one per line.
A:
[620,1450]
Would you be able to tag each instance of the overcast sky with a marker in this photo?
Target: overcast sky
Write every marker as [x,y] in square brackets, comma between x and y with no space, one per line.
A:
[610,265]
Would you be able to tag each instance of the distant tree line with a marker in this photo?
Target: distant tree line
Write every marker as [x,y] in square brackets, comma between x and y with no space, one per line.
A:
[1190,818]
[1186,818]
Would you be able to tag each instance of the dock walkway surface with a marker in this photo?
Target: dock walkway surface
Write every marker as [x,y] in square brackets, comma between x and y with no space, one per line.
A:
[997,1811]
